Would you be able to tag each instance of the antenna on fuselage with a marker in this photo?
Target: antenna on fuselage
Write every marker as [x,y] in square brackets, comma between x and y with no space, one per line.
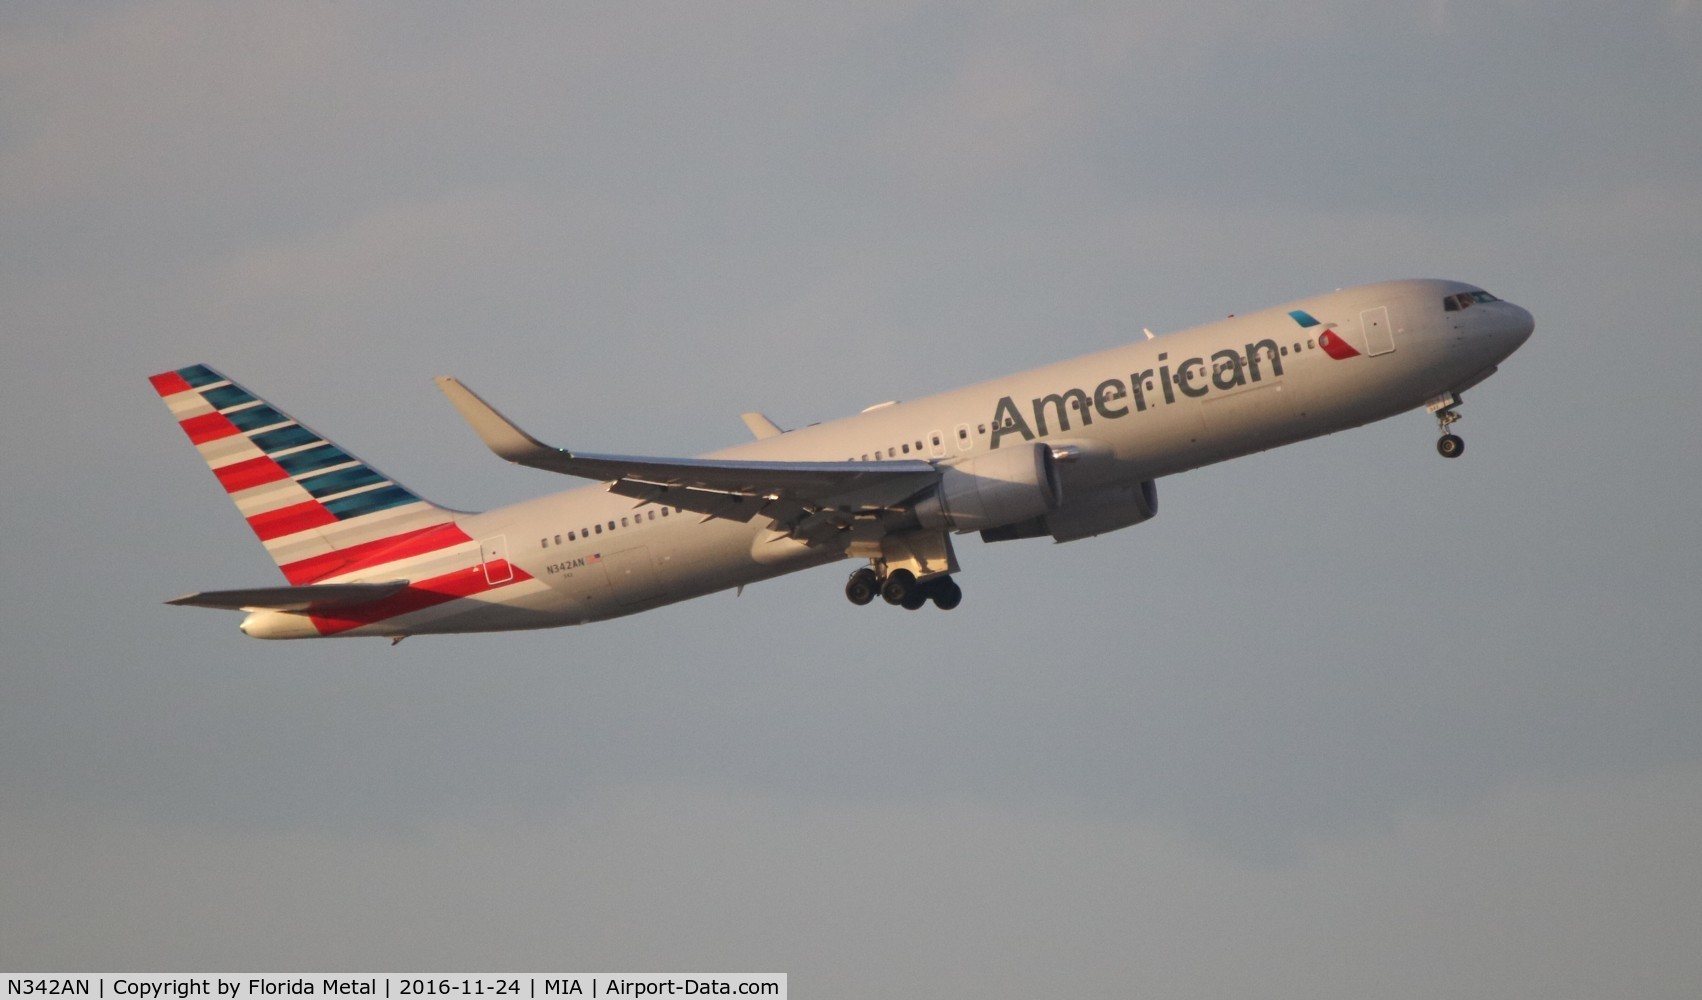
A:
[1147,332]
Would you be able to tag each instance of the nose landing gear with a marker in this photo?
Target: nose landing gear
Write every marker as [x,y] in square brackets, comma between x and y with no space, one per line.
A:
[1449,445]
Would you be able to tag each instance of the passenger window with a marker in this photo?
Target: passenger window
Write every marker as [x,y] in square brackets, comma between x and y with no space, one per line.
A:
[664,512]
[980,428]
[543,543]
[1309,345]
[558,539]
[892,453]
[599,529]
[906,449]
[611,525]
[572,537]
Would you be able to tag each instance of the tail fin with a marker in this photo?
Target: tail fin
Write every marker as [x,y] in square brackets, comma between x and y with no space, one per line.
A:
[316,508]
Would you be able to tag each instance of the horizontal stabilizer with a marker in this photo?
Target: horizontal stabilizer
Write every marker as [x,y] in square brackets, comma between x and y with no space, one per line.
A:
[311,598]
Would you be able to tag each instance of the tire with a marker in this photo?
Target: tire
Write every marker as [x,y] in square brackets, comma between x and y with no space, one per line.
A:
[947,594]
[899,583]
[862,587]
[1450,446]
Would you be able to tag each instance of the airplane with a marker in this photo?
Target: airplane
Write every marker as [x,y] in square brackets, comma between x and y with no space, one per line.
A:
[1067,451]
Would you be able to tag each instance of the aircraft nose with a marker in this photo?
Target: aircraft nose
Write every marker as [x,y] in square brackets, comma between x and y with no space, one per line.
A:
[1518,325]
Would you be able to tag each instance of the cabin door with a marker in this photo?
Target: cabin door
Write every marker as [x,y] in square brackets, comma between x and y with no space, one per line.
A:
[1379,335]
[493,551]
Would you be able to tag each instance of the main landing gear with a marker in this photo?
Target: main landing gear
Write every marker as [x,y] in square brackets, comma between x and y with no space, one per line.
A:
[902,589]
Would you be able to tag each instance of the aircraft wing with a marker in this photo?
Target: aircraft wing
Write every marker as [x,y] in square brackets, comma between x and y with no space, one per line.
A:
[305,600]
[797,496]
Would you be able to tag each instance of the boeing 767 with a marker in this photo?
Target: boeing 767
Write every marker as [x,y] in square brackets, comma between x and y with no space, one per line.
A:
[1067,451]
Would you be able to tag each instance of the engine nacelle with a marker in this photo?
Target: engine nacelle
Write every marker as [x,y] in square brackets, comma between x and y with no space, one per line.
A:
[998,488]
[1086,515]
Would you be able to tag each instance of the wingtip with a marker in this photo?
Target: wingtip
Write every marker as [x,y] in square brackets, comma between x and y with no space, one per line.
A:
[498,433]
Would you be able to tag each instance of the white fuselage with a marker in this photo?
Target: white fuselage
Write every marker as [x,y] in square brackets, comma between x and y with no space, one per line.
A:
[1148,409]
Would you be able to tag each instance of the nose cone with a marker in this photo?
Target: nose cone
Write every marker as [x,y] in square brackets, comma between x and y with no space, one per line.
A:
[1507,328]
[1520,324]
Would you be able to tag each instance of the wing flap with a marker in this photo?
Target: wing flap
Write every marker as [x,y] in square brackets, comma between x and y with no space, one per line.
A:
[304,600]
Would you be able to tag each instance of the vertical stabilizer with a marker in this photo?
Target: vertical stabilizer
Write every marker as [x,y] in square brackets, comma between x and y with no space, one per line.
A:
[318,509]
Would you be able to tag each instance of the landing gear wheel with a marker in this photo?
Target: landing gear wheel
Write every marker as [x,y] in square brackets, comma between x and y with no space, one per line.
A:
[913,601]
[862,587]
[1449,445]
[946,593]
[898,586]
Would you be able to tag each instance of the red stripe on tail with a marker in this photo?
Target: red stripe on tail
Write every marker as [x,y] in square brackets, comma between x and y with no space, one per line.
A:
[368,555]
[246,475]
[169,384]
[208,427]
[291,519]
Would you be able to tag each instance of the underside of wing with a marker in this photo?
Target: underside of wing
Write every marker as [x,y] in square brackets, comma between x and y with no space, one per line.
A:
[303,600]
[810,500]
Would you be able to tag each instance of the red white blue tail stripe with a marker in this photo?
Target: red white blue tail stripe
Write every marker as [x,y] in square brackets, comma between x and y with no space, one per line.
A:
[312,504]
[324,515]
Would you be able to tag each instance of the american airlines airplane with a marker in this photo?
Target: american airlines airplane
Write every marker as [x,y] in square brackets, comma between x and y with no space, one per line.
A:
[1067,451]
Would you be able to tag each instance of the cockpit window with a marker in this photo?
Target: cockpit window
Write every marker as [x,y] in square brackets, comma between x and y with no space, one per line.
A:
[1464,300]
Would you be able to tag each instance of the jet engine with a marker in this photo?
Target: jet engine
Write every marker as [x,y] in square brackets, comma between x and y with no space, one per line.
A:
[1086,514]
[998,488]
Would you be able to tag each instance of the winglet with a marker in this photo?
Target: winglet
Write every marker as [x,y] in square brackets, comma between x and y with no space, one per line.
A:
[498,432]
[761,426]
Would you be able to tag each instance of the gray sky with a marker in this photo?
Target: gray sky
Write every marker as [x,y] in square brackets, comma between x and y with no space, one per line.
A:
[1344,720]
